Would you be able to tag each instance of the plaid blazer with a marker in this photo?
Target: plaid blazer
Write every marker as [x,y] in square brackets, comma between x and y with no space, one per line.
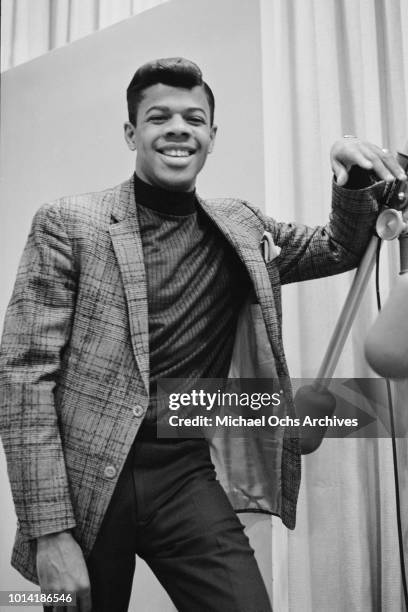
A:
[75,354]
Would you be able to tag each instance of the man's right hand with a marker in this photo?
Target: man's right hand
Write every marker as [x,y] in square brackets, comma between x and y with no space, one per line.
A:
[61,567]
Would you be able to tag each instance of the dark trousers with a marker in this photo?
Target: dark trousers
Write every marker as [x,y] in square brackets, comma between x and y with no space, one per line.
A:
[169,509]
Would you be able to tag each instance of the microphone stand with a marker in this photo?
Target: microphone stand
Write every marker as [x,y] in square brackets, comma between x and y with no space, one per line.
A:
[315,400]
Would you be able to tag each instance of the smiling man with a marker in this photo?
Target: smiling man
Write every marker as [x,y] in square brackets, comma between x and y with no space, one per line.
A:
[119,289]
[173,131]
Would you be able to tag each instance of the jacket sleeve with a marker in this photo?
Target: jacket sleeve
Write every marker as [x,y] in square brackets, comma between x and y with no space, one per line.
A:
[308,252]
[37,327]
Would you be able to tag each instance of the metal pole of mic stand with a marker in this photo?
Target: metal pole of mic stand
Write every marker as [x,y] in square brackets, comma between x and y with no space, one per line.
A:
[347,315]
[315,400]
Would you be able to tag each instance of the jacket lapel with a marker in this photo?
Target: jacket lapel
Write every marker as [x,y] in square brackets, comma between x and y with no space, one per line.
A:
[127,244]
[247,244]
[246,240]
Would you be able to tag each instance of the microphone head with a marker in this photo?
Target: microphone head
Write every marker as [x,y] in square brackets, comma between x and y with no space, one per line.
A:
[390,224]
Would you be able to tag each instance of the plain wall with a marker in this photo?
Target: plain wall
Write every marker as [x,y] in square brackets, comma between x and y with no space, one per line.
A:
[62,118]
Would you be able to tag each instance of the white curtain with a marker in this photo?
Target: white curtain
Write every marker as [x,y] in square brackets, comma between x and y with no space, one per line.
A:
[32,27]
[334,67]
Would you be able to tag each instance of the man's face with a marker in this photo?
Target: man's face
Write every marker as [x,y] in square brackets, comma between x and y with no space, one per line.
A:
[173,136]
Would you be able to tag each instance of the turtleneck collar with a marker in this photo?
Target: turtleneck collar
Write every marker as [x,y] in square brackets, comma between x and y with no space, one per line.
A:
[164,201]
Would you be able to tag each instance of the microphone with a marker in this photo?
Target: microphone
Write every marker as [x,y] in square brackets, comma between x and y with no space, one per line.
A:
[386,346]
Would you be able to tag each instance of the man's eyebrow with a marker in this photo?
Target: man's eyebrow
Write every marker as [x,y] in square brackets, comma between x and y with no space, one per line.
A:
[159,108]
[166,109]
[194,109]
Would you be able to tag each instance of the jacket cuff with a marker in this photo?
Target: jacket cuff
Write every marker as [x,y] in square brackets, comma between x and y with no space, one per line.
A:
[358,201]
[45,519]
[45,527]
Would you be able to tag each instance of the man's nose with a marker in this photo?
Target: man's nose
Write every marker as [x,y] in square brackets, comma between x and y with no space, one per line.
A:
[177,126]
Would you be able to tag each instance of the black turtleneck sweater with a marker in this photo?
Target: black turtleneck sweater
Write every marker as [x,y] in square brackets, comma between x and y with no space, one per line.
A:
[196,285]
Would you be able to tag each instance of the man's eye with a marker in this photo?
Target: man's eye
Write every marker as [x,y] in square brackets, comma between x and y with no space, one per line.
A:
[196,120]
[157,118]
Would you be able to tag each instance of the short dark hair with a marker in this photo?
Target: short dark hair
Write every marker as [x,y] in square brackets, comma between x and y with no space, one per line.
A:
[174,71]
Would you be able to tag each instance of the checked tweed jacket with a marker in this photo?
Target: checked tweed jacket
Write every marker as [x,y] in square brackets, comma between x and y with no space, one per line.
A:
[75,355]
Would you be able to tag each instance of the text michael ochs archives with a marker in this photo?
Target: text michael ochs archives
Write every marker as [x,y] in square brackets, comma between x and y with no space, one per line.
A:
[232,409]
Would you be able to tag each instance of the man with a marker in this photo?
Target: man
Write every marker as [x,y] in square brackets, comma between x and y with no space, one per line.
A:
[119,289]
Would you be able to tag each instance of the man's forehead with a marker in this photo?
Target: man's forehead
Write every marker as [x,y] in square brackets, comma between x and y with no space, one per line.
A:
[168,96]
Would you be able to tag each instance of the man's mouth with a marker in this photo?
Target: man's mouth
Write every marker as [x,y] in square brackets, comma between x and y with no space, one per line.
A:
[176,152]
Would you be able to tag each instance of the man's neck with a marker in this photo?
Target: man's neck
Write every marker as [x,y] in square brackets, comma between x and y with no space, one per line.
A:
[163,200]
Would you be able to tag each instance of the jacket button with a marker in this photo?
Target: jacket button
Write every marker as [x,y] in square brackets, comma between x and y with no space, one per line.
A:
[137,410]
[110,471]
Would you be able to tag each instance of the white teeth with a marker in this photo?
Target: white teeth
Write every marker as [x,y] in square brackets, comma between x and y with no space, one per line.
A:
[176,152]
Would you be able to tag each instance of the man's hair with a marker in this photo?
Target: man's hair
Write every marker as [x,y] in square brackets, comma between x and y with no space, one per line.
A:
[173,71]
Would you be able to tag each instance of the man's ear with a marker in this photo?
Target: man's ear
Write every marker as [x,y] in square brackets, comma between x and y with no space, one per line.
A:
[130,135]
[213,134]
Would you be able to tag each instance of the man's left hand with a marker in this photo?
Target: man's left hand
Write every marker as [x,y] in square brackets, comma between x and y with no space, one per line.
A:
[351,151]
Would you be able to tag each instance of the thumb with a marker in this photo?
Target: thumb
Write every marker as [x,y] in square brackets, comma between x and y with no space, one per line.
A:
[340,172]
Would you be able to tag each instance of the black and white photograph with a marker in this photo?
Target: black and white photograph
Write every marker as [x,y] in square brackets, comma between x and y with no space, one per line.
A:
[204,305]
